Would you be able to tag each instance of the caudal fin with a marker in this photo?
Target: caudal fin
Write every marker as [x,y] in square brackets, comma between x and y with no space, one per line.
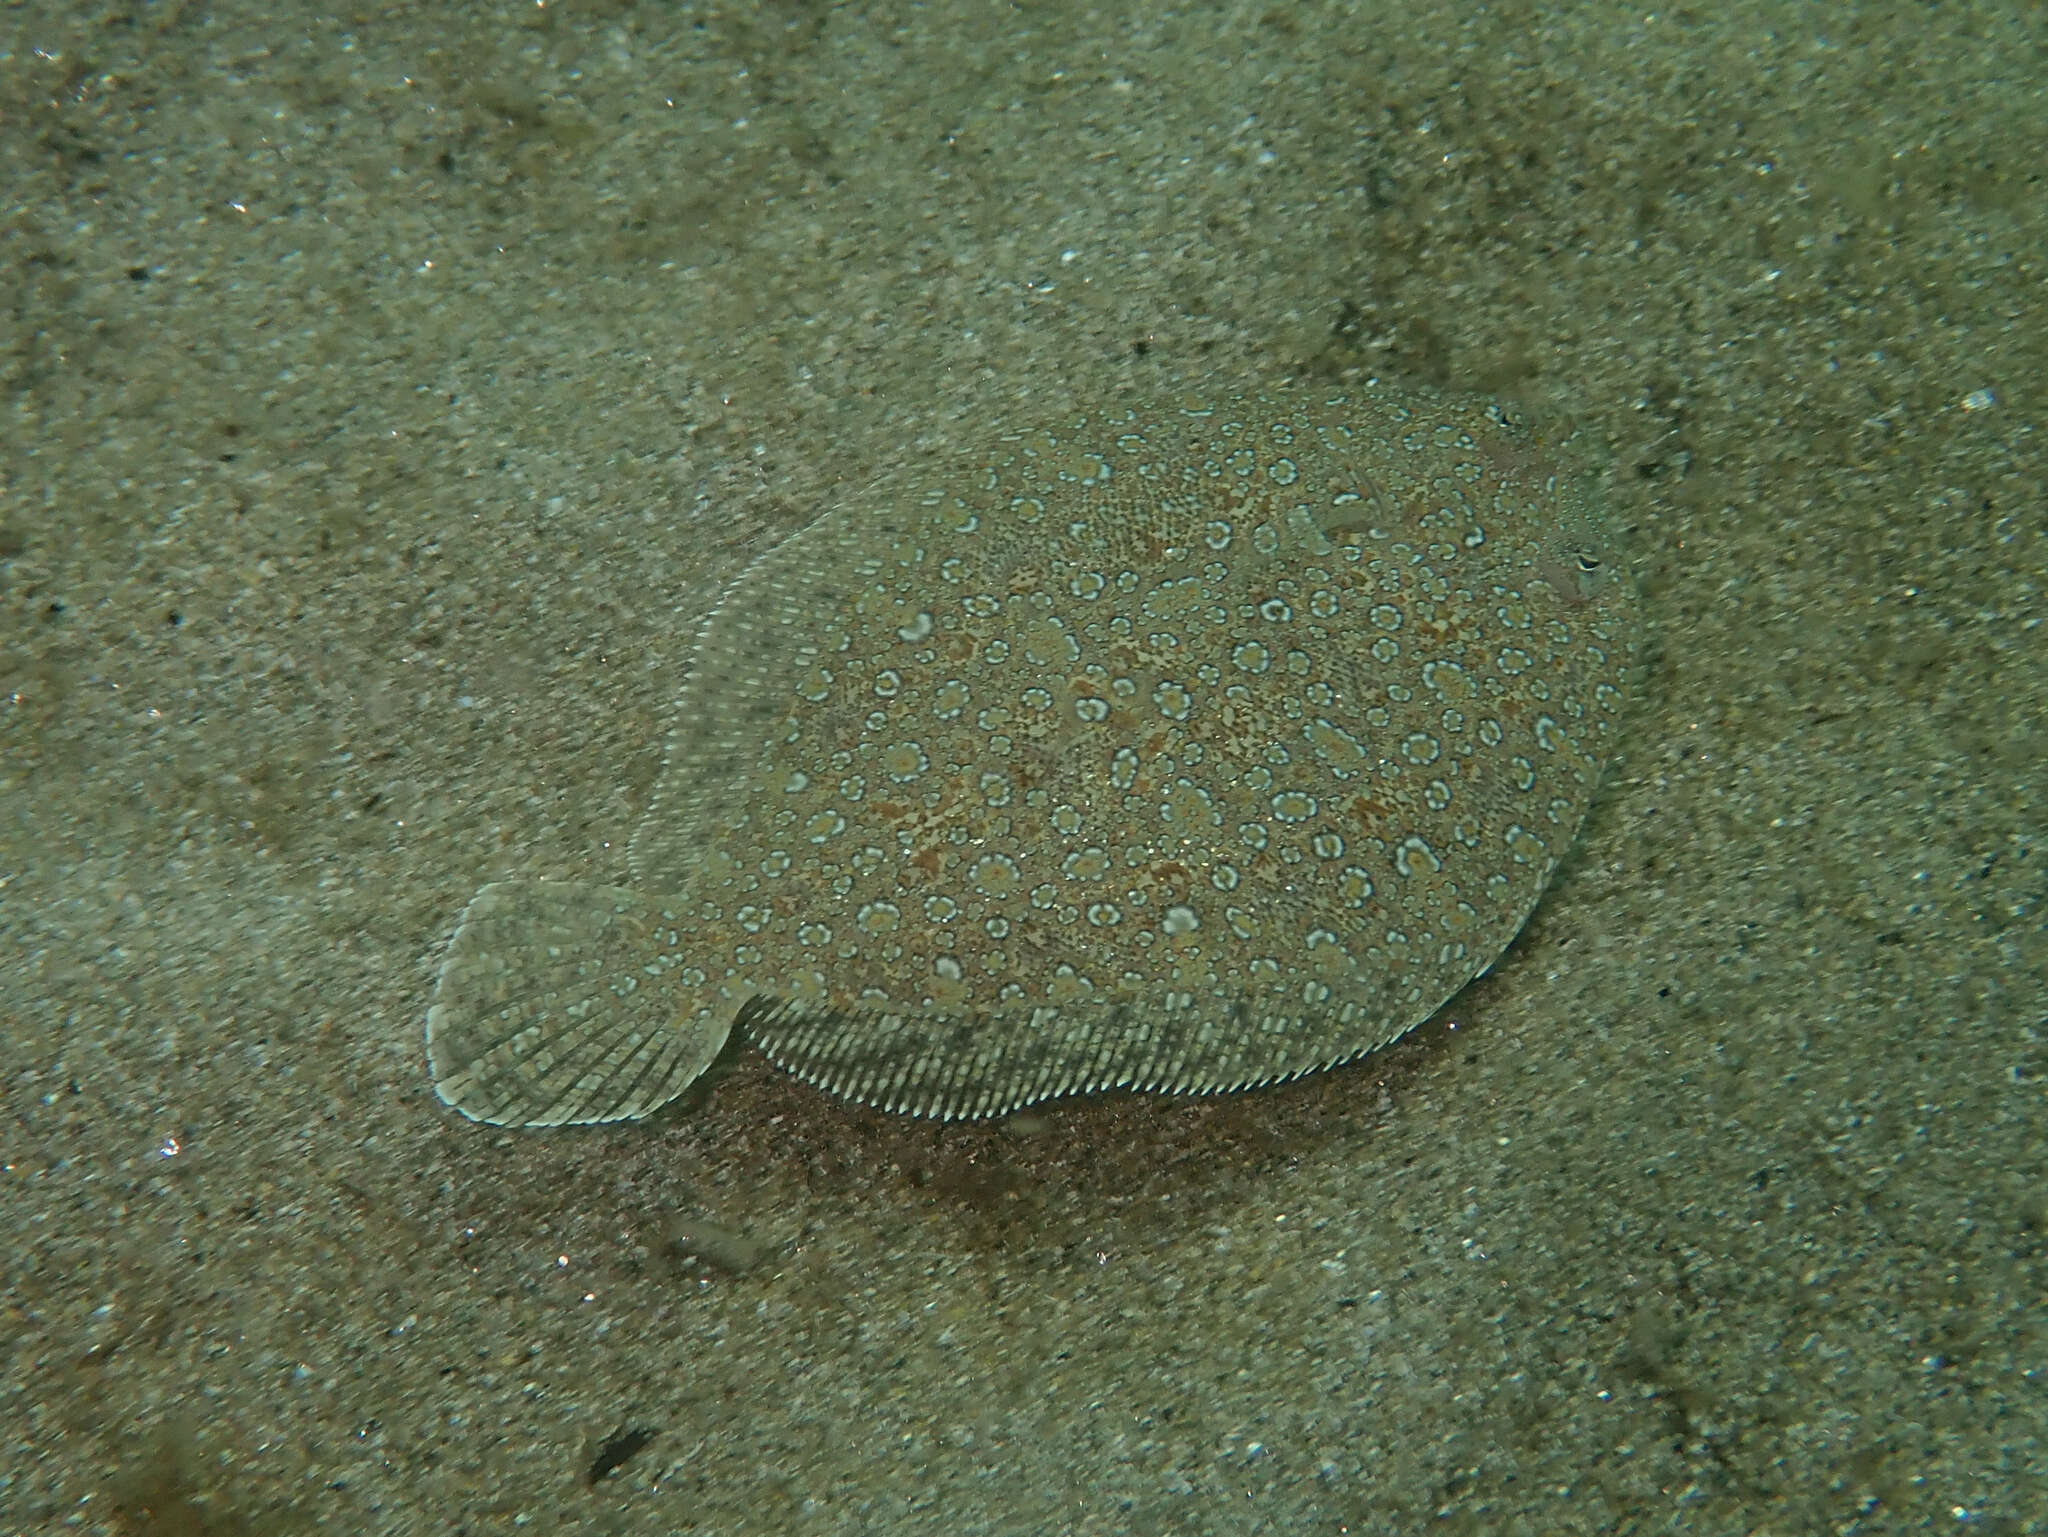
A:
[560,1003]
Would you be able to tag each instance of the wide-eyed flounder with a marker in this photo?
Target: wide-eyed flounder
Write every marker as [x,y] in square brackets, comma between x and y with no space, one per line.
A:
[1184,748]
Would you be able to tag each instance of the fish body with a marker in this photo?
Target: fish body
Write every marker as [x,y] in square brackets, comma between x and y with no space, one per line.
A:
[1179,748]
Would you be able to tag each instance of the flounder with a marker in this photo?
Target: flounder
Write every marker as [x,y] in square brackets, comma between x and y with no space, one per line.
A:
[1182,748]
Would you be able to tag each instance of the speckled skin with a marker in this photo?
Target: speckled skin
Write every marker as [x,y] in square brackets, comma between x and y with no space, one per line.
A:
[1186,748]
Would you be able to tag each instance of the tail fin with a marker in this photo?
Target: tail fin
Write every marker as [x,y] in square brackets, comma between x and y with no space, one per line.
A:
[561,1003]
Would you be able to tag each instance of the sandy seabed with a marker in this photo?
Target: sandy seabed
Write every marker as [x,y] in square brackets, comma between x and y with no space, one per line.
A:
[388,393]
